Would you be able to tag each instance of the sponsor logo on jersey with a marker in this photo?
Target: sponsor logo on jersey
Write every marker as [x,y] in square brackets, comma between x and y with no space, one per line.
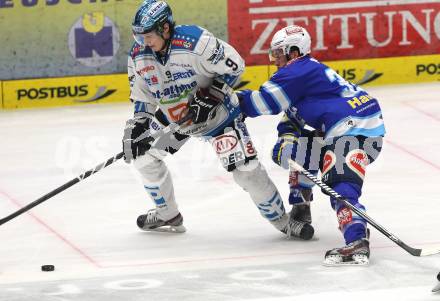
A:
[179,75]
[224,144]
[232,158]
[145,69]
[136,50]
[182,43]
[93,40]
[152,81]
[345,217]
[173,91]
[182,96]
[228,149]
[359,101]
[357,161]
[154,125]
[218,53]
[178,112]
[328,162]
[187,66]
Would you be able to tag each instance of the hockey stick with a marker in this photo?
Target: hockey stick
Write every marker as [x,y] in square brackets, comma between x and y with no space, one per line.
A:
[170,128]
[340,198]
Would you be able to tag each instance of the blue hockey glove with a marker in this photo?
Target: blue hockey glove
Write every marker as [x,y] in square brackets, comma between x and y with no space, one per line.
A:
[284,149]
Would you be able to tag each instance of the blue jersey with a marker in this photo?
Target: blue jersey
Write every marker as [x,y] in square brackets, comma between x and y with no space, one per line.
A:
[310,91]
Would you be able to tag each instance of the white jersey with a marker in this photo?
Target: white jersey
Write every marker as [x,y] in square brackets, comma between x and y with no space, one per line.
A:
[195,57]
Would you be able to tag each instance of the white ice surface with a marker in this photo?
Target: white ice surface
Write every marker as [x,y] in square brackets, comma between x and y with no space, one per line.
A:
[229,251]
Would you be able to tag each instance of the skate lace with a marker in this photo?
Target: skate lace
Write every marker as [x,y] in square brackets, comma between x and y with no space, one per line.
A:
[151,216]
[293,228]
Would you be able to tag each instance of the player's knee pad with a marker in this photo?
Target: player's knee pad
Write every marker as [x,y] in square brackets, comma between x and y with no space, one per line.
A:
[253,178]
[150,167]
[234,147]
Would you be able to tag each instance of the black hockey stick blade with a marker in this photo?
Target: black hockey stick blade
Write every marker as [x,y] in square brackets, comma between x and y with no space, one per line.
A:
[372,222]
[413,251]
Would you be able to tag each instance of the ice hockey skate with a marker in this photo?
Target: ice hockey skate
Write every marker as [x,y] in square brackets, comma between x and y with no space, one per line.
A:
[356,253]
[301,212]
[151,222]
[294,228]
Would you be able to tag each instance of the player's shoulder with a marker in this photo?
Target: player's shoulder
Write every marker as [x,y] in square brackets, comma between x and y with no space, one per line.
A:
[299,68]
[186,37]
[139,51]
[285,73]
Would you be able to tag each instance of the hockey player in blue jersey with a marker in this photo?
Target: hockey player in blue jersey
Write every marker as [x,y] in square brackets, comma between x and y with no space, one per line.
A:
[329,124]
[179,70]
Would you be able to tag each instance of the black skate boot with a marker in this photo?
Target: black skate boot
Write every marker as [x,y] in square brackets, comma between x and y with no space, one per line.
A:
[151,222]
[298,229]
[293,228]
[301,213]
[355,253]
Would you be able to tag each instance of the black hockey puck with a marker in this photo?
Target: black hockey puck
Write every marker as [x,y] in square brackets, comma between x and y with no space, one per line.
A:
[48,268]
[438,276]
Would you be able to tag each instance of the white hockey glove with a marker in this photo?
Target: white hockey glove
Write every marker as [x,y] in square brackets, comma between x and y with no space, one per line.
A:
[134,128]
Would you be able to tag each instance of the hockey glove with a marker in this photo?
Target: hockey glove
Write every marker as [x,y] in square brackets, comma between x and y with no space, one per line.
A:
[134,128]
[202,107]
[284,149]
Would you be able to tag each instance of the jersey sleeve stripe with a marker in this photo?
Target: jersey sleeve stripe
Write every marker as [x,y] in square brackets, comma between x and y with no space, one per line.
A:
[369,126]
[278,94]
[259,103]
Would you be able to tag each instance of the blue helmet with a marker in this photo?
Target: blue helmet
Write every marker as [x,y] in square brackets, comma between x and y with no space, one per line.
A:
[152,15]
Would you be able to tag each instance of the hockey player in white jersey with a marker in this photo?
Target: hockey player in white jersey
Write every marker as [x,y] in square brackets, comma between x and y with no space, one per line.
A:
[179,70]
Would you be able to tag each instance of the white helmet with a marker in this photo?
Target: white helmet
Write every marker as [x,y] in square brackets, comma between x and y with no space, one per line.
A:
[288,37]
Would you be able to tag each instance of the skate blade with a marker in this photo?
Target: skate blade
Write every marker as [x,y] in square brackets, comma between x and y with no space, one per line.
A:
[334,261]
[436,288]
[168,229]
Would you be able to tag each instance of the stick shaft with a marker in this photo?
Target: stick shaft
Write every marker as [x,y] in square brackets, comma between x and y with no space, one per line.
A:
[62,188]
[170,128]
[371,221]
